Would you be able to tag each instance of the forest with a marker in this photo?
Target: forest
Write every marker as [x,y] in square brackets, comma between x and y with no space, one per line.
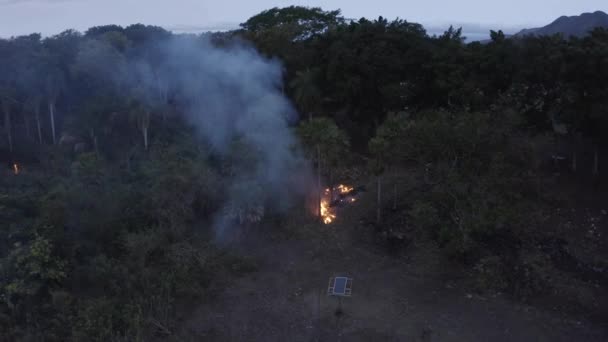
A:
[138,163]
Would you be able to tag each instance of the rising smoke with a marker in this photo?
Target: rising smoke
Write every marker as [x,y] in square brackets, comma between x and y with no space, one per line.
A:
[232,96]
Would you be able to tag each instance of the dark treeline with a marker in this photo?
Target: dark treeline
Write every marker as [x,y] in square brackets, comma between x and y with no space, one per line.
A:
[355,72]
[102,234]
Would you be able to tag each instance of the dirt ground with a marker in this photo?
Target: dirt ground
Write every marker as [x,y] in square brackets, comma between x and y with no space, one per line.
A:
[414,297]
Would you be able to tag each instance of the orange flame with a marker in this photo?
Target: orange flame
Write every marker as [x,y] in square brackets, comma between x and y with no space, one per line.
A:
[344,189]
[328,214]
[16,169]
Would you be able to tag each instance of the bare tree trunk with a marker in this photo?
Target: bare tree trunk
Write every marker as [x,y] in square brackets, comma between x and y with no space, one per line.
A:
[94,138]
[38,127]
[8,126]
[145,133]
[96,145]
[320,192]
[596,162]
[52,115]
[379,209]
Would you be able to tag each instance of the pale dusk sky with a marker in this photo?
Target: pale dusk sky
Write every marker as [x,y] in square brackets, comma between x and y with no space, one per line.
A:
[50,17]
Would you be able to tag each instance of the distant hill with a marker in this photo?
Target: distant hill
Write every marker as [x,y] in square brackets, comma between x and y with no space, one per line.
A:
[578,25]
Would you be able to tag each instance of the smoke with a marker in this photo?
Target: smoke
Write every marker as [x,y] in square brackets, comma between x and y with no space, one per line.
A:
[233,97]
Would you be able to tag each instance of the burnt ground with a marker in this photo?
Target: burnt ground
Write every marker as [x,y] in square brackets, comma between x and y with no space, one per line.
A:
[416,296]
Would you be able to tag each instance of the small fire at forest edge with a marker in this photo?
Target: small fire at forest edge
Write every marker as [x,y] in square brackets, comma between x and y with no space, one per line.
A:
[331,199]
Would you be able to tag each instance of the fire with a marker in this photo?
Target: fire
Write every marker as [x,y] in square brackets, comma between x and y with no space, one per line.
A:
[331,199]
[344,189]
[16,169]
[326,213]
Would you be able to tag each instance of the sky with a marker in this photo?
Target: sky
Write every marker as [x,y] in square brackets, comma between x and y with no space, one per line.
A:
[50,17]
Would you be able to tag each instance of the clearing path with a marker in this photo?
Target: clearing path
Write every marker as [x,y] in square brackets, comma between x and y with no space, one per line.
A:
[394,299]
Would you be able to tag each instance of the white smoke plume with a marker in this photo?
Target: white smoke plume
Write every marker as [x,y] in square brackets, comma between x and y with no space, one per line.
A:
[233,94]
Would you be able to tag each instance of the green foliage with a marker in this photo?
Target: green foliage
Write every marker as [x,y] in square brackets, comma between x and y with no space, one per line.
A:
[109,252]
[325,143]
[103,241]
[476,176]
[387,146]
[30,269]
[308,20]
[323,133]
[306,92]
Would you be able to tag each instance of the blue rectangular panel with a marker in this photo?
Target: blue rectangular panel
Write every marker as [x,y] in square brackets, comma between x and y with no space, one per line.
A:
[340,285]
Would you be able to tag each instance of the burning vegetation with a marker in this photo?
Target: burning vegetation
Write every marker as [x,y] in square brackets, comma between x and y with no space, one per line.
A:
[16,169]
[333,198]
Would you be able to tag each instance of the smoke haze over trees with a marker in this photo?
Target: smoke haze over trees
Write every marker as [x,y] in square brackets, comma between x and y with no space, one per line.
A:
[132,155]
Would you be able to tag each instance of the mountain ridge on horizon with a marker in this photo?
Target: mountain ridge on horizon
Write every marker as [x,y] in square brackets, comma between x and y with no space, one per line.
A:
[576,25]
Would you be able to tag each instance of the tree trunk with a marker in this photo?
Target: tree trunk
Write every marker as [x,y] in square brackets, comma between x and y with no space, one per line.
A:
[38,127]
[52,115]
[145,133]
[8,126]
[95,145]
[596,162]
[320,189]
[379,209]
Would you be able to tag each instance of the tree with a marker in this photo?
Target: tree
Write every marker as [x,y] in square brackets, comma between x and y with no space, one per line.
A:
[8,127]
[54,85]
[585,77]
[140,114]
[59,55]
[33,104]
[308,21]
[451,85]
[146,37]
[286,32]
[326,143]
[28,68]
[97,31]
[306,93]
[8,89]
[387,148]
[371,68]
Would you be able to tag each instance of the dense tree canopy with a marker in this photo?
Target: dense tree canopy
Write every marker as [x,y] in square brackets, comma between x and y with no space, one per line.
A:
[103,236]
